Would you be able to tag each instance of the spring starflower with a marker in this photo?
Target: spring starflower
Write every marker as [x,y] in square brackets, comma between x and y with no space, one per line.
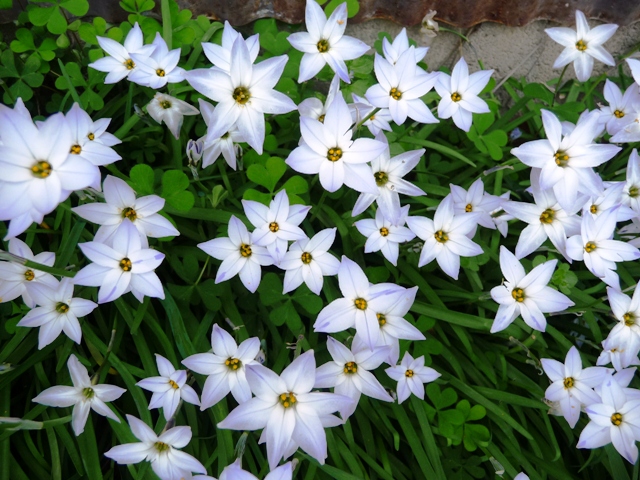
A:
[325,42]
[235,472]
[582,45]
[171,111]
[159,68]
[526,294]
[90,139]
[84,396]
[618,114]
[225,145]
[411,376]
[220,55]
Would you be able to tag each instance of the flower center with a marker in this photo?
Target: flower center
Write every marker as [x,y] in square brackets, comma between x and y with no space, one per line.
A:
[273,226]
[382,319]
[616,419]
[245,250]
[241,95]
[384,231]
[287,399]
[306,258]
[568,382]
[593,209]
[62,307]
[323,45]
[350,368]
[233,363]
[76,149]
[547,216]
[381,178]
[629,319]
[334,154]
[91,137]
[88,393]
[41,169]
[456,97]
[29,275]
[440,236]
[166,104]
[633,191]
[129,213]
[518,294]
[360,303]
[395,93]
[581,45]
[130,64]
[468,208]
[160,72]
[161,447]
[125,264]
[618,113]
[589,247]
[174,385]
[408,373]
[561,158]
[321,118]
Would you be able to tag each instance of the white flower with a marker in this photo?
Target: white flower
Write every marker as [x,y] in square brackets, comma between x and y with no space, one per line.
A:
[239,255]
[16,279]
[430,27]
[615,420]
[526,294]
[620,350]
[385,235]
[244,94]
[171,111]
[159,68]
[329,151]
[623,378]
[292,416]
[546,219]
[58,312]
[314,108]
[400,87]
[611,198]
[582,45]
[349,372]
[572,386]
[275,225]
[38,170]
[359,306]
[225,367]
[167,461]
[84,396]
[411,374]
[475,200]
[361,108]
[631,191]
[393,327]
[567,162]
[235,472]
[309,261]
[119,63]
[445,237]
[400,44]
[500,217]
[220,55]
[597,248]
[618,114]
[121,268]
[460,92]
[122,204]
[90,139]
[626,310]
[388,173]
[226,144]
[325,42]
[168,388]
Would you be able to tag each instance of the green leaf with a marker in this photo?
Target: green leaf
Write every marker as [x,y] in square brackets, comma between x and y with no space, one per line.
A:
[286,313]
[270,290]
[268,175]
[57,24]
[78,8]
[174,184]
[23,41]
[6,4]
[142,179]
[538,91]
[39,16]
[256,196]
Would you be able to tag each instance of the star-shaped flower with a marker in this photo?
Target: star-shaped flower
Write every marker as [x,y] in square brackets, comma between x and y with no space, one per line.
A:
[239,255]
[399,45]
[162,451]
[171,111]
[235,472]
[57,312]
[244,94]
[84,396]
[225,145]
[619,113]
[225,368]
[582,45]
[220,55]
[168,388]
[159,68]
[411,376]
[325,42]
[476,200]
[572,386]
[526,294]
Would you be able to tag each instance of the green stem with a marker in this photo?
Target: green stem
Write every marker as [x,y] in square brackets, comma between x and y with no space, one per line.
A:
[126,126]
[445,29]
[10,257]
[558,85]
[167,30]
[96,375]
